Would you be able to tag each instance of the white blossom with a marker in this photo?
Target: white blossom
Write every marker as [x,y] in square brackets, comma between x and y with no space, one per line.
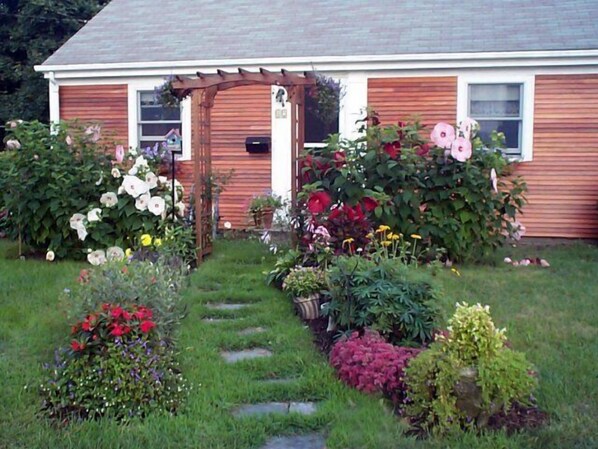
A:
[115,253]
[134,186]
[13,144]
[69,140]
[50,256]
[151,179]
[109,199]
[156,205]
[76,220]
[115,172]
[133,171]
[94,215]
[142,201]
[180,209]
[97,257]
[81,232]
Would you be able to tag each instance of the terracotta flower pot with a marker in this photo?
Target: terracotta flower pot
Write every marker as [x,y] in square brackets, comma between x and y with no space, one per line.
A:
[267,217]
[308,307]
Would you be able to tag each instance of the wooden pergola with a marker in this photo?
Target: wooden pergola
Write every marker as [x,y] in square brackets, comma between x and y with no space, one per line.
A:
[203,90]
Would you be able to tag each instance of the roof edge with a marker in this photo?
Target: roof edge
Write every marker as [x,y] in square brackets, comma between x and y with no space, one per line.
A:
[408,61]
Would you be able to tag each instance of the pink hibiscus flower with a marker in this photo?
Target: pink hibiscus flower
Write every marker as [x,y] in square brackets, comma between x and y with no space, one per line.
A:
[494,180]
[461,149]
[443,135]
[119,153]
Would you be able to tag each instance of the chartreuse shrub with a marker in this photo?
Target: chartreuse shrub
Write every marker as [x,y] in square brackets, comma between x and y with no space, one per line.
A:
[117,366]
[455,191]
[467,375]
[381,295]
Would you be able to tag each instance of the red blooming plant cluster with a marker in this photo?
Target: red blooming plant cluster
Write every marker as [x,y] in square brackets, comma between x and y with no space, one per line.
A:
[372,365]
[111,322]
[348,227]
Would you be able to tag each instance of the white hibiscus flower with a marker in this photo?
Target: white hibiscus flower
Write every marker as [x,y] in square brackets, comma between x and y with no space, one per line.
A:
[180,209]
[97,257]
[133,171]
[94,215]
[162,179]
[81,232]
[115,172]
[109,199]
[13,144]
[140,162]
[134,186]
[151,179]
[115,253]
[76,220]
[142,201]
[156,205]
[50,256]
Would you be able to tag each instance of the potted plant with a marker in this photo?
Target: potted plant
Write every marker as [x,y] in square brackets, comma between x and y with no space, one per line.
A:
[262,208]
[304,284]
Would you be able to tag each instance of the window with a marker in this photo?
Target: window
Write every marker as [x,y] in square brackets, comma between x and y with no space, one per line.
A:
[503,102]
[155,120]
[498,107]
[316,129]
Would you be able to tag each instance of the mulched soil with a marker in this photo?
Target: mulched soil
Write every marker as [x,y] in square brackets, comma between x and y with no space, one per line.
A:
[322,339]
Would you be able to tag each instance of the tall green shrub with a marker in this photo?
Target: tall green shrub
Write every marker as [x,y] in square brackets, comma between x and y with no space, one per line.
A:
[48,180]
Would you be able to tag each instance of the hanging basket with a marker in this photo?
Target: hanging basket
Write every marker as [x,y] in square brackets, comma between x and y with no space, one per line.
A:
[308,307]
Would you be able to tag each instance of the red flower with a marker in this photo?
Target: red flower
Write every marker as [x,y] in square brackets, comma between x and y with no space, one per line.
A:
[86,326]
[393,149]
[117,330]
[370,203]
[423,150]
[318,202]
[143,313]
[76,346]
[375,120]
[339,158]
[116,312]
[126,315]
[146,326]
[74,329]
[126,329]
[105,306]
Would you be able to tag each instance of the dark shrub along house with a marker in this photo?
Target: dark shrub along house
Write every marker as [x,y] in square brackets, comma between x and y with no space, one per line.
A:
[524,67]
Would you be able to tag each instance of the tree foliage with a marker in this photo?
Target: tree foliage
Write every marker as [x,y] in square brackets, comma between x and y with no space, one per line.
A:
[30,31]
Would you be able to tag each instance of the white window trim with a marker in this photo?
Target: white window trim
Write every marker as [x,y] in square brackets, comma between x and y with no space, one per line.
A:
[528,82]
[136,86]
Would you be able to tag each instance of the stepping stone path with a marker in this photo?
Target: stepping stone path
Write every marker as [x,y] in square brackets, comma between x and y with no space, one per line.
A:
[226,306]
[251,331]
[284,408]
[245,354]
[217,320]
[310,441]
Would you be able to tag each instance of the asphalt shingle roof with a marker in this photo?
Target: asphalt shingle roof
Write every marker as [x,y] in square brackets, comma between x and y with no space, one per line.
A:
[185,30]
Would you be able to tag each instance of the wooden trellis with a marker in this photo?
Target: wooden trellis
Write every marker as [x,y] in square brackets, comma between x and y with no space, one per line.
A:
[203,90]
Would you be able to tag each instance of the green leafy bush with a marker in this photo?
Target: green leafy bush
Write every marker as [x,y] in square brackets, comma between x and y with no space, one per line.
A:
[383,296]
[49,180]
[464,202]
[283,266]
[302,282]
[467,375]
[117,367]
[155,285]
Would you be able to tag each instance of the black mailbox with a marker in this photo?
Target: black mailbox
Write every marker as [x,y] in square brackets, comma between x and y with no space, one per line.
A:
[258,144]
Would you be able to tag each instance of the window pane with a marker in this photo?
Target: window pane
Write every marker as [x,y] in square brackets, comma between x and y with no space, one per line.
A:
[158,129]
[495,100]
[316,130]
[511,129]
[151,110]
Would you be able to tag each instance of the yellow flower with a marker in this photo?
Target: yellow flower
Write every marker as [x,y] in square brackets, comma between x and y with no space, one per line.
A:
[146,240]
[386,243]
[348,241]
[396,236]
[369,236]
[157,241]
[128,252]
[383,228]
[454,270]
[416,236]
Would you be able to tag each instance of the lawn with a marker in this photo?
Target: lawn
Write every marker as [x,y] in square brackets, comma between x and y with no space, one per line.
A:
[551,314]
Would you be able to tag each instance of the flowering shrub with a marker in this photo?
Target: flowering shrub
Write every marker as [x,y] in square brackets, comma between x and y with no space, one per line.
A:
[381,296]
[302,282]
[451,190]
[154,285]
[372,365]
[117,367]
[51,175]
[467,375]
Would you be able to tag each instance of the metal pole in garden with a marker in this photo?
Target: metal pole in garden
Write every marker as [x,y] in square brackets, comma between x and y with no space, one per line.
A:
[173,189]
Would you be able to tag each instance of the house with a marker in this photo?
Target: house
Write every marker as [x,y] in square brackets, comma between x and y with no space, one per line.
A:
[525,67]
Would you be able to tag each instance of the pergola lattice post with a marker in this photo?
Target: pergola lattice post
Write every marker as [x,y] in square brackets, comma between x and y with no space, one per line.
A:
[203,90]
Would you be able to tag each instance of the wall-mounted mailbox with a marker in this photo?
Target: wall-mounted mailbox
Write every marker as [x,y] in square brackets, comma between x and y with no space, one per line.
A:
[258,144]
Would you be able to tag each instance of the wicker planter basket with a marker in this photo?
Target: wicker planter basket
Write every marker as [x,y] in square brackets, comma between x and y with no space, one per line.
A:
[309,307]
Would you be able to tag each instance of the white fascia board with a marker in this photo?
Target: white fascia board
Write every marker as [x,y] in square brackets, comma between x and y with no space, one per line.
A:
[331,63]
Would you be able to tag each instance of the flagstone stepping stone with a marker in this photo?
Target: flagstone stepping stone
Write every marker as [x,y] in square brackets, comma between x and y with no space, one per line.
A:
[226,306]
[246,354]
[284,408]
[309,441]
[217,320]
[251,331]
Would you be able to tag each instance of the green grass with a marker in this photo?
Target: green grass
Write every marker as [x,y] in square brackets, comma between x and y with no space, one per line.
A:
[551,314]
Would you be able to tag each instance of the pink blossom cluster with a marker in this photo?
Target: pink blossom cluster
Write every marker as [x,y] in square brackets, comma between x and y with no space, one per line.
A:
[458,145]
[371,364]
